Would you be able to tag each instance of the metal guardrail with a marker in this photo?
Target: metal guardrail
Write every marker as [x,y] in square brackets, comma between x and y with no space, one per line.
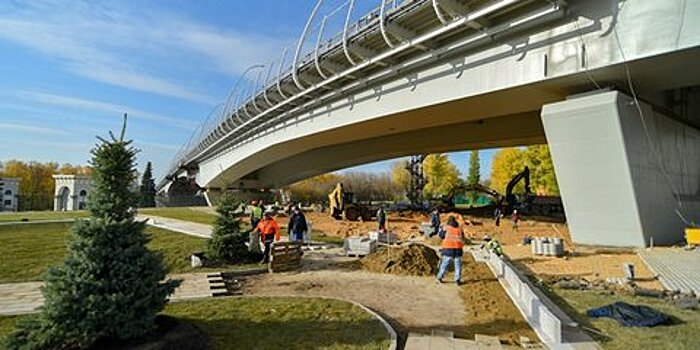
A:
[268,100]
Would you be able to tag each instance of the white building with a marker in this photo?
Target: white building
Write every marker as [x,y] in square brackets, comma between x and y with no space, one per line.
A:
[71,192]
[9,193]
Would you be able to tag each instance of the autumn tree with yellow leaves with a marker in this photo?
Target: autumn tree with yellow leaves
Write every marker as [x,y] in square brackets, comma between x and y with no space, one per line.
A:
[508,162]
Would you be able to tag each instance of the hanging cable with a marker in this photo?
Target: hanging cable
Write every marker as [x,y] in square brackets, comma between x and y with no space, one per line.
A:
[585,56]
[655,151]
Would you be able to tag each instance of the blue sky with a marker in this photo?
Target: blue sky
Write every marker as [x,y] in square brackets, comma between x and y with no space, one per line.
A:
[70,69]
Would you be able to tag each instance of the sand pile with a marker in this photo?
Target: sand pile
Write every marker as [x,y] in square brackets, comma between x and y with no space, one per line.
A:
[413,259]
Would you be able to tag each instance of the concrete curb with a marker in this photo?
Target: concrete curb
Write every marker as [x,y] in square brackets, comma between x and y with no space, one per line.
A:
[393,344]
[539,312]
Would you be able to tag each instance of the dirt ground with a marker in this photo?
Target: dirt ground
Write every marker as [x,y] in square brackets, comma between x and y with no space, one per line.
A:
[410,303]
[403,226]
[585,262]
[490,310]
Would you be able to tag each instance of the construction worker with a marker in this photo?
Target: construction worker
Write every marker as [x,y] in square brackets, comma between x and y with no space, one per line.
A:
[452,244]
[269,232]
[434,223]
[297,225]
[495,246]
[381,219]
[515,217]
[255,214]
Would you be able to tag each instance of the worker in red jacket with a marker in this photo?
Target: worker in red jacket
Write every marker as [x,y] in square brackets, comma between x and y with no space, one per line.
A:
[269,232]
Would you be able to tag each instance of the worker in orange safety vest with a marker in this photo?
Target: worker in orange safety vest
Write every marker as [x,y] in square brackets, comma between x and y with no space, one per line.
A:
[269,232]
[452,244]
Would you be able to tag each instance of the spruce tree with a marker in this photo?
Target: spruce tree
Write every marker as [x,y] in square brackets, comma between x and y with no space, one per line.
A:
[474,176]
[148,189]
[109,286]
[227,243]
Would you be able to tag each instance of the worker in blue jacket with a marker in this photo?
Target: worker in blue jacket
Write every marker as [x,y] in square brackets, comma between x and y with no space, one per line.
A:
[297,225]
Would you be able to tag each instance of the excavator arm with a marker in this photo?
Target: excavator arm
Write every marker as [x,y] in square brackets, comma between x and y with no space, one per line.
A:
[336,202]
[523,175]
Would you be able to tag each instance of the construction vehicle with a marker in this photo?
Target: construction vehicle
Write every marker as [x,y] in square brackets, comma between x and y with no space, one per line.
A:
[510,200]
[530,203]
[527,203]
[343,205]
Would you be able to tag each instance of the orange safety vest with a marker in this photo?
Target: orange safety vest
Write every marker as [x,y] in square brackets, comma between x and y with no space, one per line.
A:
[453,238]
[268,227]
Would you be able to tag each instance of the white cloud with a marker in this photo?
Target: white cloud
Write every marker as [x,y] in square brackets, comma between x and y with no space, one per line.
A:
[154,51]
[220,47]
[116,109]
[31,129]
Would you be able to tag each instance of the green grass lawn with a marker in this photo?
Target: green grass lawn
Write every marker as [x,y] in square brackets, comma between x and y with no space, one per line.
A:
[42,215]
[274,323]
[684,333]
[322,237]
[283,323]
[187,214]
[7,324]
[26,251]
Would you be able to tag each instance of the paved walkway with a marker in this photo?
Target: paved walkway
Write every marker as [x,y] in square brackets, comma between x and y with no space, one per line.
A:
[25,298]
[182,226]
[677,268]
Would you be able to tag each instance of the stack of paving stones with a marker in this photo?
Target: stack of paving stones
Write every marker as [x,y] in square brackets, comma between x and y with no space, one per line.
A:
[285,256]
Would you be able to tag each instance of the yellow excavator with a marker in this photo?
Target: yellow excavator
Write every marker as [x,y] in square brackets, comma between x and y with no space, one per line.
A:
[343,206]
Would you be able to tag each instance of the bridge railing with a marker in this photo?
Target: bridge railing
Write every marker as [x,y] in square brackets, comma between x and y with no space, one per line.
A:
[231,116]
[249,110]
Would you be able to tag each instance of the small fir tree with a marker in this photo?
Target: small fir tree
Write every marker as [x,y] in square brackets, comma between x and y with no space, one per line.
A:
[109,286]
[474,176]
[148,189]
[227,243]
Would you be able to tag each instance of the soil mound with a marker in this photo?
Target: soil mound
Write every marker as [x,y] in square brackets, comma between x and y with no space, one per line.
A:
[414,260]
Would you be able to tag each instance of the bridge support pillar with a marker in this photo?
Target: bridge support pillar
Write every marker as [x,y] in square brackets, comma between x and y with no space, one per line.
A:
[626,179]
[212,195]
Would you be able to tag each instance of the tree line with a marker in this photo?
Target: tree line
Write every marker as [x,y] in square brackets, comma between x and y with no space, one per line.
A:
[442,175]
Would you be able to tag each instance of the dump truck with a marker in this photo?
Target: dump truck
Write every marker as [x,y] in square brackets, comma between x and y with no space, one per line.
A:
[343,205]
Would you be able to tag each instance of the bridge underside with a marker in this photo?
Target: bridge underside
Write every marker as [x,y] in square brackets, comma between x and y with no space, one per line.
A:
[512,130]
[503,118]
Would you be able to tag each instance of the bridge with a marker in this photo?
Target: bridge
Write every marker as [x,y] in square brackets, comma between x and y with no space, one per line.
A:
[612,86]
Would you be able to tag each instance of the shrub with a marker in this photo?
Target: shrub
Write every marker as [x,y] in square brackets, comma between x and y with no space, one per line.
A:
[227,243]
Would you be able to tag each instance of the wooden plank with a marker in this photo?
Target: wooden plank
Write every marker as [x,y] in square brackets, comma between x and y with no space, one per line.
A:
[287,264]
[279,262]
[286,247]
[286,257]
